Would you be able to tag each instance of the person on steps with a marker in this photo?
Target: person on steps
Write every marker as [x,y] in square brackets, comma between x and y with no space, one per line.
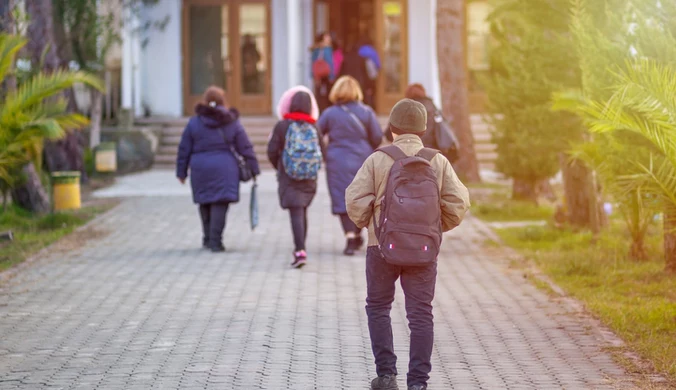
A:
[353,133]
[296,193]
[207,149]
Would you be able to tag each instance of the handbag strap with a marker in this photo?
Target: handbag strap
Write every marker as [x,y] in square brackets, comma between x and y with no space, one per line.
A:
[355,119]
[231,146]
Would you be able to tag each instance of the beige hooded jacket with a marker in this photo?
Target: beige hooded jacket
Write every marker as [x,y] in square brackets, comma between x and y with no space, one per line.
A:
[364,195]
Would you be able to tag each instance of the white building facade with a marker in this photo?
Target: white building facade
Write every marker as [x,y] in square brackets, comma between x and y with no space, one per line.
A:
[256,49]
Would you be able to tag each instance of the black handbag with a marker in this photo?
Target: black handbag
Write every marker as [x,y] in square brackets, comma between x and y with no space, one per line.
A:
[447,141]
[245,172]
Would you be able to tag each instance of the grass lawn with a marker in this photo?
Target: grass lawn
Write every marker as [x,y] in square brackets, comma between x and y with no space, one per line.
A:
[491,203]
[635,299]
[32,233]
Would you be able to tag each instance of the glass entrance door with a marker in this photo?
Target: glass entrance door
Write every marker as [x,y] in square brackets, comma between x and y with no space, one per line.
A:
[226,43]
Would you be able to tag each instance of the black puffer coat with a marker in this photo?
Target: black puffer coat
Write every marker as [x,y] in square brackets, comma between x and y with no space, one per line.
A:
[292,193]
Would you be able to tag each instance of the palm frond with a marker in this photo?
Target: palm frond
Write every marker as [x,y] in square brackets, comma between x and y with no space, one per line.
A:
[41,87]
[9,47]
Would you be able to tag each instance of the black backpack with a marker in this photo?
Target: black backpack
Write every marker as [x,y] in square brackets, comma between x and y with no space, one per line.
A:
[445,137]
[409,230]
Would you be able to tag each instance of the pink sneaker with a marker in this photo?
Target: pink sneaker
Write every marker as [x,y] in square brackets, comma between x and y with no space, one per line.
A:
[299,259]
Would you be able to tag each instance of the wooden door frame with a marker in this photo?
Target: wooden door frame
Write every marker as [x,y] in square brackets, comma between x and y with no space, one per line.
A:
[262,103]
[385,101]
[233,76]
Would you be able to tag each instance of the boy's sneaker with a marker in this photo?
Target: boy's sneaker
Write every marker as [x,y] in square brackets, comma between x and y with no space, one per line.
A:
[385,382]
[299,259]
[417,387]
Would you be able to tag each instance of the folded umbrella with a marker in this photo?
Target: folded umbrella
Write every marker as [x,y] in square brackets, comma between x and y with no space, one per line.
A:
[253,206]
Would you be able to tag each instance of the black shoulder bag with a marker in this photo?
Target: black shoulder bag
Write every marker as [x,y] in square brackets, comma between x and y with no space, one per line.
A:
[245,172]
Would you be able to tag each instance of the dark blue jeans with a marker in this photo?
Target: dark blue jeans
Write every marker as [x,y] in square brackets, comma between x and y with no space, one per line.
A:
[418,284]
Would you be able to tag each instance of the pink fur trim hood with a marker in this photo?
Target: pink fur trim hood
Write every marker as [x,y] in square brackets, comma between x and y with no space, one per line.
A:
[285,101]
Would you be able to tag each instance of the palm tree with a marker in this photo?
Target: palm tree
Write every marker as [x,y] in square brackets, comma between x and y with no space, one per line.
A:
[30,115]
[451,47]
[642,113]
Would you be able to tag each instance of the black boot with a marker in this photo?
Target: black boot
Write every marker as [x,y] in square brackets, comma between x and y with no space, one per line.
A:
[350,247]
[360,242]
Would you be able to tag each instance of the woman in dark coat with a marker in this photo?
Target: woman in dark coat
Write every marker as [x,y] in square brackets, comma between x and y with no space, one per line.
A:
[353,134]
[417,92]
[206,150]
[294,195]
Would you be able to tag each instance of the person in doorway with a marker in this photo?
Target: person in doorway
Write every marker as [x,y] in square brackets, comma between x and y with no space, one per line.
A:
[250,59]
[353,133]
[373,65]
[323,72]
[295,195]
[407,246]
[338,55]
[418,93]
[207,149]
[354,65]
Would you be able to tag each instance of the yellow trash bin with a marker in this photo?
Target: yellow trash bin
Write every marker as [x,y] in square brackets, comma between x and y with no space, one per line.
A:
[66,190]
[106,157]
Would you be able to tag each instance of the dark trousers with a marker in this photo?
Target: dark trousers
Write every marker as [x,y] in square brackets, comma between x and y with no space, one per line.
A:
[213,223]
[418,284]
[348,225]
[299,226]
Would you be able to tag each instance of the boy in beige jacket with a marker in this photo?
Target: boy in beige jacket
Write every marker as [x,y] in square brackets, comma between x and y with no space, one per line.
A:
[408,121]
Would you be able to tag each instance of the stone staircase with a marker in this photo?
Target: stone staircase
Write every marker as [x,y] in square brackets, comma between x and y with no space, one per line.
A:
[484,147]
[258,129]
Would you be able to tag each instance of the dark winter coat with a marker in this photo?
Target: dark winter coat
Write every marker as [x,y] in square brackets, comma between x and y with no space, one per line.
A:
[429,139]
[349,146]
[213,168]
[355,65]
[292,193]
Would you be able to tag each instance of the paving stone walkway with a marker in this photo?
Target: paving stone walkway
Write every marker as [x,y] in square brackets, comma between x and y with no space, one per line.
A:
[142,307]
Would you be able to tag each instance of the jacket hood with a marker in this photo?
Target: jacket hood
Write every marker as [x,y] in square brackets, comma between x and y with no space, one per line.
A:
[284,106]
[216,116]
[301,102]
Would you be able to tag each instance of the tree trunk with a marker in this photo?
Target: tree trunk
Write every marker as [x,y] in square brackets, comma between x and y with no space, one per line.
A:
[525,190]
[6,19]
[96,114]
[670,239]
[32,195]
[451,46]
[582,206]
[637,250]
[41,34]
[66,154]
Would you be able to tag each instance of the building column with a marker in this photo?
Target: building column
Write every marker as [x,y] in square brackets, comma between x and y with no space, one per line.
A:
[423,65]
[435,88]
[293,26]
[131,71]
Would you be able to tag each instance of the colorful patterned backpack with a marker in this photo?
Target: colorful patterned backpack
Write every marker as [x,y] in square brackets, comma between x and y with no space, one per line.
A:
[302,154]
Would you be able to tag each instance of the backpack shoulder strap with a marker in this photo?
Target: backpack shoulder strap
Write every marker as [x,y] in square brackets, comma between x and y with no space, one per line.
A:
[394,152]
[427,153]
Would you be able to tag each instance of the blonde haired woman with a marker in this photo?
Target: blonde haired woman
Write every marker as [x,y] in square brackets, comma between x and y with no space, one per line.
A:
[353,134]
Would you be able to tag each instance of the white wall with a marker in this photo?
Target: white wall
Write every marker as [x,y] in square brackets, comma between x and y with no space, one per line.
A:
[162,83]
[423,67]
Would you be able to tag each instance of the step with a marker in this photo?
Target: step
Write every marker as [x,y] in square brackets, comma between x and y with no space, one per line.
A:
[483,138]
[482,148]
[483,157]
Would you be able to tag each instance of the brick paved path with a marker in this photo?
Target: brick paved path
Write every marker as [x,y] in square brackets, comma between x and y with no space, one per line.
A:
[143,307]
